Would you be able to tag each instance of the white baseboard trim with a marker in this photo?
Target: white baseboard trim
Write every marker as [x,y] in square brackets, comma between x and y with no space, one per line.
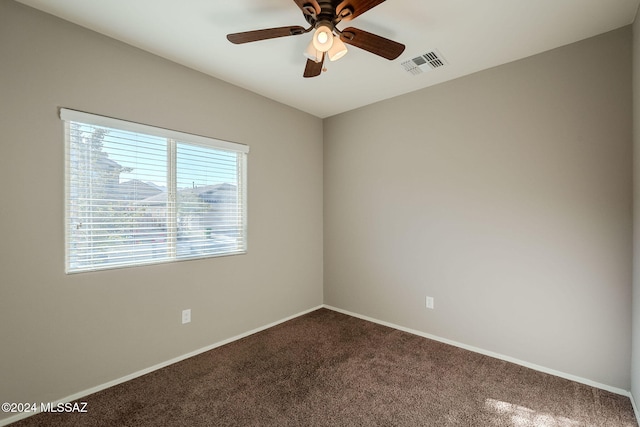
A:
[635,407]
[489,353]
[83,393]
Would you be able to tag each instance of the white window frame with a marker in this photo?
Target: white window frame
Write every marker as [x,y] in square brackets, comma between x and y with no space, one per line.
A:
[68,115]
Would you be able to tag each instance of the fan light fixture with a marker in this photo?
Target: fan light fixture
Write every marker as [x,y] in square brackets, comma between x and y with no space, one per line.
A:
[324,41]
[323,38]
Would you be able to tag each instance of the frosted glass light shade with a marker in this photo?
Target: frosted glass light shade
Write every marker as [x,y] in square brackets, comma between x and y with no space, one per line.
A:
[312,53]
[338,50]
[323,38]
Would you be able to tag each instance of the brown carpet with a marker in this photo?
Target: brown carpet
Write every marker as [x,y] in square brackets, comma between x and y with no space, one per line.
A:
[329,369]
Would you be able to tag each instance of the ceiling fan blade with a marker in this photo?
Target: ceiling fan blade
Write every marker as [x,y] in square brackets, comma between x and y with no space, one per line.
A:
[269,33]
[302,3]
[313,68]
[370,42]
[358,7]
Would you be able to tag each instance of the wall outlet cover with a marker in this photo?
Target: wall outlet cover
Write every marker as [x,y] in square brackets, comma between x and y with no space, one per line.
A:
[186,316]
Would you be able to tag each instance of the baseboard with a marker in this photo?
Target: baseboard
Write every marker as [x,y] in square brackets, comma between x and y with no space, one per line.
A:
[489,353]
[635,407]
[81,394]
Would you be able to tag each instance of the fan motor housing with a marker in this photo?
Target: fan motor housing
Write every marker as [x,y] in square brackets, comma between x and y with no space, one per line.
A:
[327,13]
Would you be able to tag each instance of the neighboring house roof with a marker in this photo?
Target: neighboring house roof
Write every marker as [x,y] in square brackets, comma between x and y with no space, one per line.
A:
[218,193]
[136,190]
[107,163]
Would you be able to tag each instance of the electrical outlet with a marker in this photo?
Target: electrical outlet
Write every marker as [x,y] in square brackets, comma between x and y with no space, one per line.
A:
[186,316]
[429,302]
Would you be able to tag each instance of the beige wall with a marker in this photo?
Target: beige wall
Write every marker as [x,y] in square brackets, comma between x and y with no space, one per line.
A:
[506,196]
[63,334]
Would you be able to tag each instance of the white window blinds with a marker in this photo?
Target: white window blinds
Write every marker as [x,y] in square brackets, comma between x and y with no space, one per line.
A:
[136,194]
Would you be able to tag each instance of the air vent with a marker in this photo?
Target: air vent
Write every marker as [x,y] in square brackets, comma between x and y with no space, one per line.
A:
[425,62]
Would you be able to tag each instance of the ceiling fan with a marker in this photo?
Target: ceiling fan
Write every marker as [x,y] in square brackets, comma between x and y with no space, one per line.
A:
[323,16]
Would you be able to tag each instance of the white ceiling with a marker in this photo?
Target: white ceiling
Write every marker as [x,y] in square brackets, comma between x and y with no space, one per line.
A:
[471,35]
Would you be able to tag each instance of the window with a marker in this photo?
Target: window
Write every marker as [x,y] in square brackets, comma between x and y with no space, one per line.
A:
[137,195]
